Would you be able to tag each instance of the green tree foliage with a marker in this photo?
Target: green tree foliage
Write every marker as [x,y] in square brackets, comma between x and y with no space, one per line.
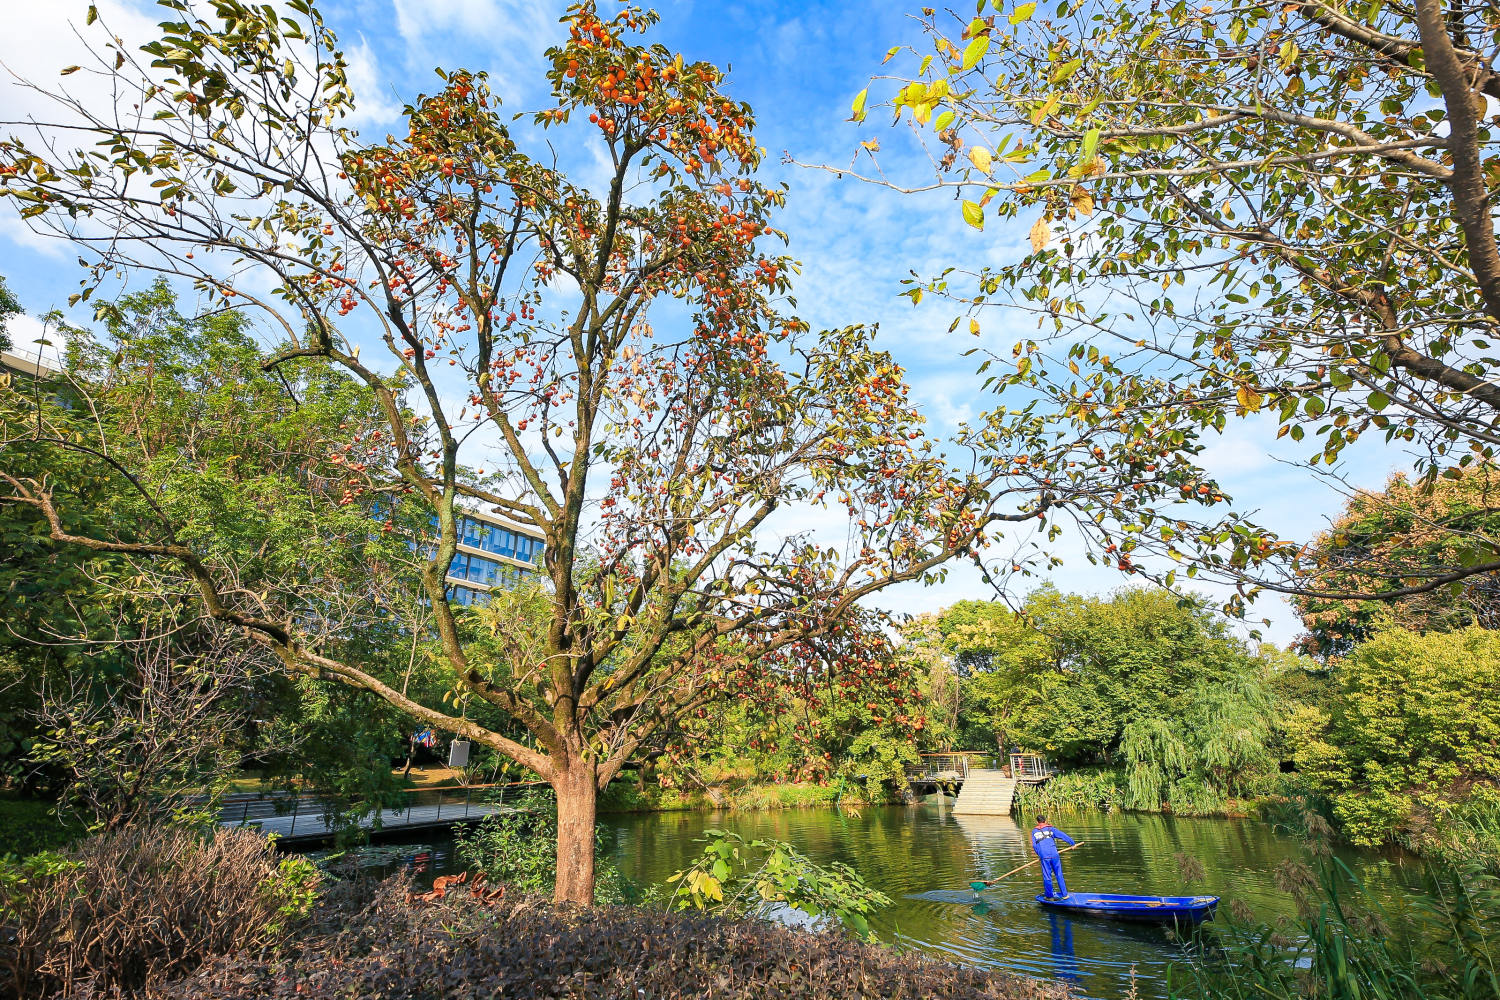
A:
[1236,210]
[1385,539]
[237,455]
[1141,681]
[9,306]
[1411,722]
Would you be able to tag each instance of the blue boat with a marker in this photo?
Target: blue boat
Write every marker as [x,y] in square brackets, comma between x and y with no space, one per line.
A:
[1143,909]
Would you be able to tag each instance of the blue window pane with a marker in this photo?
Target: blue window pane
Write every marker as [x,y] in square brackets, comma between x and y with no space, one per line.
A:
[523,548]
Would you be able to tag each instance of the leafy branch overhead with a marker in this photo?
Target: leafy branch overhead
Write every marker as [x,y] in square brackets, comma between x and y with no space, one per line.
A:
[1237,211]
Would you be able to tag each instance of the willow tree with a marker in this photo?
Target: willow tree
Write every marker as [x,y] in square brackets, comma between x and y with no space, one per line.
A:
[666,454]
[1281,211]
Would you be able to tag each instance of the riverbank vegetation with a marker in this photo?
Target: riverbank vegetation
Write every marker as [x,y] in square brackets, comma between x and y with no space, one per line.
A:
[1345,944]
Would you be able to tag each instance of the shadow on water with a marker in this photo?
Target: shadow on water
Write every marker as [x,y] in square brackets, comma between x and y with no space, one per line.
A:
[924,858]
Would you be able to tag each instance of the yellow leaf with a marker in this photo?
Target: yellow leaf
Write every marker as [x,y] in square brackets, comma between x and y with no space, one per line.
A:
[973,214]
[858,107]
[974,327]
[1082,201]
[1046,109]
[980,157]
[1040,235]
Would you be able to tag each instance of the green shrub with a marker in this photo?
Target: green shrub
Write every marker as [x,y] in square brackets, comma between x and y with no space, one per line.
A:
[1412,720]
[745,877]
[1074,790]
[518,848]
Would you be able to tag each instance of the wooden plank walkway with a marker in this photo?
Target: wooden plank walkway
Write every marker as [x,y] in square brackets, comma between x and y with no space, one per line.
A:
[299,816]
[988,792]
[309,823]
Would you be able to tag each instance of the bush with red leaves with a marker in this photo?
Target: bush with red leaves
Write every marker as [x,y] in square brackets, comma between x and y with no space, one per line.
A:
[468,947]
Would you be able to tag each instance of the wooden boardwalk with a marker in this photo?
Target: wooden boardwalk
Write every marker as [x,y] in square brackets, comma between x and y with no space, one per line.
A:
[314,826]
[979,790]
[303,818]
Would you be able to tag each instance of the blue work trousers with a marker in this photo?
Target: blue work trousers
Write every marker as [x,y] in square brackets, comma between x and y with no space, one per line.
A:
[1052,869]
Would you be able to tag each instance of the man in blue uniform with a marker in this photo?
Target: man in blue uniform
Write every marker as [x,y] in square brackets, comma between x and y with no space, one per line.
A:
[1044,838]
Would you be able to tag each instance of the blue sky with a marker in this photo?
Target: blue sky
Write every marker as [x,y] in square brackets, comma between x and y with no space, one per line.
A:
[799,65]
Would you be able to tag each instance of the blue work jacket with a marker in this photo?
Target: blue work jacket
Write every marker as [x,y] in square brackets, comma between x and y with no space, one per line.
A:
[1044,840]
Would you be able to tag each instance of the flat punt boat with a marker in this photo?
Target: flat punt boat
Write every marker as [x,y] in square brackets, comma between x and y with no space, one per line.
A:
[1144,909]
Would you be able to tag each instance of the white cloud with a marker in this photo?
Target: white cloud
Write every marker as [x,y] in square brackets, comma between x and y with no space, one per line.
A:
[374,101]
[509,36]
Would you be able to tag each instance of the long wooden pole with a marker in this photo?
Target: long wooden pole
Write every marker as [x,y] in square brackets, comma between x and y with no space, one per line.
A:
[977,885]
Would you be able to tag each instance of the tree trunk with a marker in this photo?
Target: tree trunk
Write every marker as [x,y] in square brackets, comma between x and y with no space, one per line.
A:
[577,801]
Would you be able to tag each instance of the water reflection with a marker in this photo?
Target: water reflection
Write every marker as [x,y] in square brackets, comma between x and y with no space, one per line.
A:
[1064,962]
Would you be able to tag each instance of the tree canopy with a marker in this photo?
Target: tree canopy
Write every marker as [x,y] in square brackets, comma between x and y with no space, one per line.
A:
[1407,529]
[9,307]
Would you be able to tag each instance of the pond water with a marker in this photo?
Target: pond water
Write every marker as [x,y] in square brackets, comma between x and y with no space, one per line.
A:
[924,857]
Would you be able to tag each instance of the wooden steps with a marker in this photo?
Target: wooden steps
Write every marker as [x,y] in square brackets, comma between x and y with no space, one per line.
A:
[986,792]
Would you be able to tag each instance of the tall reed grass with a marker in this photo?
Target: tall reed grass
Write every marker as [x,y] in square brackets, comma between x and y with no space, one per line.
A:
[1439,944]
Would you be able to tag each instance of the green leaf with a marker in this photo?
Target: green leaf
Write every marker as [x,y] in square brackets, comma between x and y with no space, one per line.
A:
[1379,401]
[975,50]
[1066,70]
[1023,13]
[973,214]
[1090,144]
[942,121]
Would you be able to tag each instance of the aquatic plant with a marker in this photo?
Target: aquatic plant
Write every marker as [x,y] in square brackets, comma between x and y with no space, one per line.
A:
[753,877]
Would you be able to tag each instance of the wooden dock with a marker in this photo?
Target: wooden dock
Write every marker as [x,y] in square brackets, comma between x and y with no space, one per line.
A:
[986,791]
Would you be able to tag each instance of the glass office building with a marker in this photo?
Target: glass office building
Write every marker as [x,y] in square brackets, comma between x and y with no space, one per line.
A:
[492,552]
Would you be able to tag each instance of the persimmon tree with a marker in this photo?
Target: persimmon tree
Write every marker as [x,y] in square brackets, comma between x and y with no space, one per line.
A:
[619,369]
[1274,212]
